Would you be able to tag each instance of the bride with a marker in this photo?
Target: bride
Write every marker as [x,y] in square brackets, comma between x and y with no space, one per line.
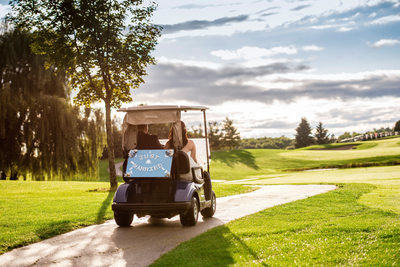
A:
[188,145]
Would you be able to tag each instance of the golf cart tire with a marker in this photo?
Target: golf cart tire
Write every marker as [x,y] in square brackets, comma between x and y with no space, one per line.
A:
[209,212]
[190,217]
[123,219]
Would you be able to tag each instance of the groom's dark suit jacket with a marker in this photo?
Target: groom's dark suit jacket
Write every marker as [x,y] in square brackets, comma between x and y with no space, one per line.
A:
[148,141]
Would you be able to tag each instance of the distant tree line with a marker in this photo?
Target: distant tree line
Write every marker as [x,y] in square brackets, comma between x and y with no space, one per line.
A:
[304,136]
[267,143]
[42,135]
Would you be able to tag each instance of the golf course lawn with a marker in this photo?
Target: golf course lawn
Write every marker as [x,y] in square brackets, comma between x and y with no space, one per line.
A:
[104,175]
[357,224]
[32,211]
[386,147]
[386,180]
[325,230]
[247,163]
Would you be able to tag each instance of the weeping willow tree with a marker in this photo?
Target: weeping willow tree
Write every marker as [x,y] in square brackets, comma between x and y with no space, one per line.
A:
[41,134]
[106,46]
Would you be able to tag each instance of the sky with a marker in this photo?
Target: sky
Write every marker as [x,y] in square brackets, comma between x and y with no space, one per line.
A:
[265,64]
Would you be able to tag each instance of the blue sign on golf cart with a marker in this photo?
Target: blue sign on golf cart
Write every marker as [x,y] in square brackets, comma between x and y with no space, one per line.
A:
[149,163]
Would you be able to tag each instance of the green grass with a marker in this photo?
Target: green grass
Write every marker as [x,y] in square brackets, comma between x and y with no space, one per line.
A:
[386,180]
[103,170]
[325,230]
[356,145]
[223,190]
[357,224]
[32,211]
[386,147]
[244,164]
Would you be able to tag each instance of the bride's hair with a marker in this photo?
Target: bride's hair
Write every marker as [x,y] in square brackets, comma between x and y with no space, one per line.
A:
[170,143]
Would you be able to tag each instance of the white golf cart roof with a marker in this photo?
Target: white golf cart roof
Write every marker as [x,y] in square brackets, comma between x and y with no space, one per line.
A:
[156,114]
[163,107]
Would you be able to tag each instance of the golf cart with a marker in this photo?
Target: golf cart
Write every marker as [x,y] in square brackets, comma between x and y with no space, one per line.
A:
[163,183]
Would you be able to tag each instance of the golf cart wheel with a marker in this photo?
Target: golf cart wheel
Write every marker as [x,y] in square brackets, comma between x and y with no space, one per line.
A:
[209,212]
[190,217]
[123,218]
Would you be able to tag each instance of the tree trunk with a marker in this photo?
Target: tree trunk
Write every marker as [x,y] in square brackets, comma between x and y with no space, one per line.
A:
[110,144]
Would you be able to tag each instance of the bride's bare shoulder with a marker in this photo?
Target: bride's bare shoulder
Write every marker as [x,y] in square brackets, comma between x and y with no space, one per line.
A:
[191,143]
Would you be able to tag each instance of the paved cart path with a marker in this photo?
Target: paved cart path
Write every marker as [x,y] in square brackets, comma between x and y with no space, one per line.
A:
[145,241]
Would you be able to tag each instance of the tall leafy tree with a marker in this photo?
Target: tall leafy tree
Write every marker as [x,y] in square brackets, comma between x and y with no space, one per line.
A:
[25,85]
[117,135]
[195,132]
[104,44]
[397,126]
[214,135]
[321,134]
[231,136]
[303,135]
[41,133]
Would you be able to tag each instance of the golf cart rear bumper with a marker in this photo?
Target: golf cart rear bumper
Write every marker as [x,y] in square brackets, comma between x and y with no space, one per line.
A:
[178,207]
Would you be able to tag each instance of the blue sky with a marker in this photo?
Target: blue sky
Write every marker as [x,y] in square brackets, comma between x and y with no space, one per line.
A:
[266,64]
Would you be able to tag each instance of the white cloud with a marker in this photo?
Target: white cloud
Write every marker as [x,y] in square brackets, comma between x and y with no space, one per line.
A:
[344,29]
[339,27]
[270,100]
[386,19]
[312,48]
[168,14]
[385,42]
[324,27]
[252,52]
[281,118]
[195,63]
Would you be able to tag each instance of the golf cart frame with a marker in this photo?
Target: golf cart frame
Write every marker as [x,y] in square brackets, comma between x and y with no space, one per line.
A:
[162,183]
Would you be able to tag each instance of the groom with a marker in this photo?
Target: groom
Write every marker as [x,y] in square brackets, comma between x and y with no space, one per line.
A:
[146,140]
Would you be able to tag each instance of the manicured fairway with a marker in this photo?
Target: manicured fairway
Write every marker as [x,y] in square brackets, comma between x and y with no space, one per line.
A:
[386,181]
[358,224]
[368,149]
[33,211]
[247,163]
[326,230]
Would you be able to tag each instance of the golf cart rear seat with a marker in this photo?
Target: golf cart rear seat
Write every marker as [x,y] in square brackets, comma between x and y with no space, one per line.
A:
[185,170]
